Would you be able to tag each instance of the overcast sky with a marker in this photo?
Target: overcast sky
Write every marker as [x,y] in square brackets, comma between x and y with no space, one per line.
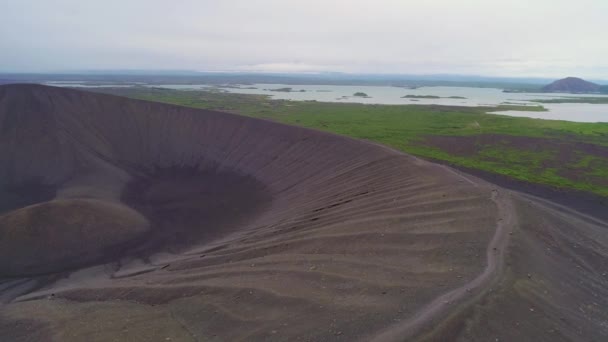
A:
[547,38]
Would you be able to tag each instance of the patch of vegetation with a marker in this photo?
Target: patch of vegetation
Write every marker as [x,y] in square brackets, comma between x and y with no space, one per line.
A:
[405,127]
[360,94]
[420,97]
[568,99]
[526,90]
[286,90]
[430,97]
[235,86]
[519,107]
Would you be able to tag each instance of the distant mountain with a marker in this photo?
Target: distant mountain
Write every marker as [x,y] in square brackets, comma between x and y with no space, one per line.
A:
[572,85]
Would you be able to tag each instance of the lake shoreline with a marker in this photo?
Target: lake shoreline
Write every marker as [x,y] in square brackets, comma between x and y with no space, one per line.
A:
[559,106]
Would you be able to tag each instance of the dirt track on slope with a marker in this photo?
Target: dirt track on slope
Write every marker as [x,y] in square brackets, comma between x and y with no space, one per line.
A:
[428,315]
[424,318]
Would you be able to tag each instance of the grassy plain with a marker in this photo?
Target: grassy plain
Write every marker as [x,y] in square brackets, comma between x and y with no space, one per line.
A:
[559,154]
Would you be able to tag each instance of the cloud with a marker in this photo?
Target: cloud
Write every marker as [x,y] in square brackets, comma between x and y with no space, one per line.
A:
[287,67]
[504,38]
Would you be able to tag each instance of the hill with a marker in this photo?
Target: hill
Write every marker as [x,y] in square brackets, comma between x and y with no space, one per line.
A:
[572,85]
[128,220]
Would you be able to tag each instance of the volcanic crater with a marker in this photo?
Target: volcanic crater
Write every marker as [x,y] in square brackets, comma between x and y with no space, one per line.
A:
[130,220]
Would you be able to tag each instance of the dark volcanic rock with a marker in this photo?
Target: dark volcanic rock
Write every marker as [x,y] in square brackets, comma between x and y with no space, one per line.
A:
[572,85]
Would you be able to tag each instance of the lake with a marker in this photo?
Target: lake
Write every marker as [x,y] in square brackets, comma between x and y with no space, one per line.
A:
[447,96]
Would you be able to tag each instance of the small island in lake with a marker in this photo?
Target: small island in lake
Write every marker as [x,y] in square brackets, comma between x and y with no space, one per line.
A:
[430,97]
[420,97]
[287,90]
